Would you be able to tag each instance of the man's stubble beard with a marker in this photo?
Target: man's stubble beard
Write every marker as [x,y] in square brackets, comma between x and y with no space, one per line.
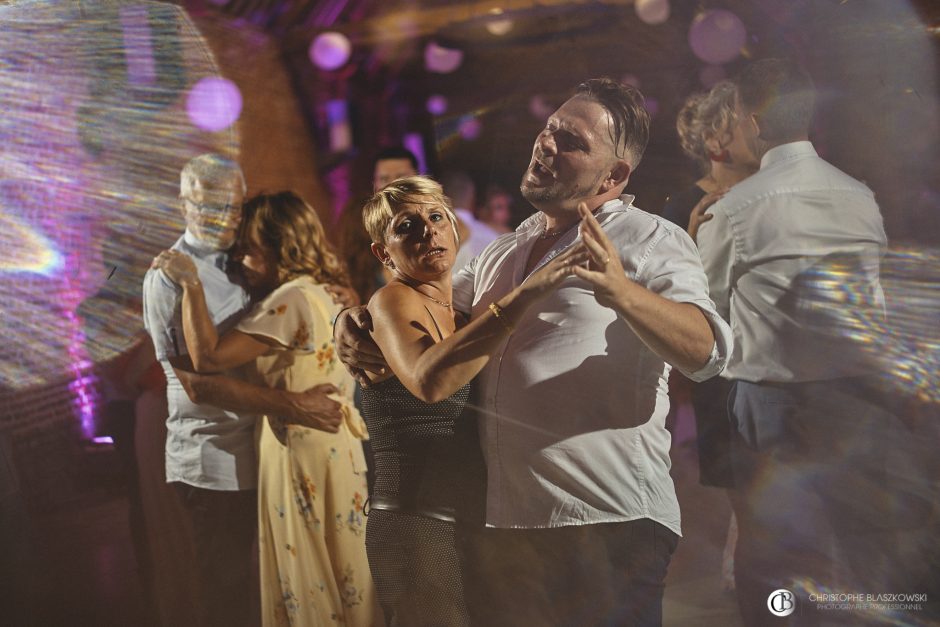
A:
[555,194]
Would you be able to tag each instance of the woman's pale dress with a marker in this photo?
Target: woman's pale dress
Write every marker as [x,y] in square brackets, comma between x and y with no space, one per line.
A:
[312,484]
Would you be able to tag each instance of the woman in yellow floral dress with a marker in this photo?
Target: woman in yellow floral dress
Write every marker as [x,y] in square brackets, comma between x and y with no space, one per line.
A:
[312,482]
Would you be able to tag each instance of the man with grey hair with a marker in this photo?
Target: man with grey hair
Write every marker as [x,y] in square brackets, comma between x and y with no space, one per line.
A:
[210,455]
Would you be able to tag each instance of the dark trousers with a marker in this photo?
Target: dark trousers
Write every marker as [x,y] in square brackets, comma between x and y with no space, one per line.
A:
[815,506]
[601,574]
[224,529]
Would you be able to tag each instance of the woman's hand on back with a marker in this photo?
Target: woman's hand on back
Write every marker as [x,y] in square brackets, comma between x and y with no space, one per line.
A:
[698,216]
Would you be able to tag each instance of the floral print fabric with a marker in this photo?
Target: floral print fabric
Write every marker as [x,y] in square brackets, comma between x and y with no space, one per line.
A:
[312,484]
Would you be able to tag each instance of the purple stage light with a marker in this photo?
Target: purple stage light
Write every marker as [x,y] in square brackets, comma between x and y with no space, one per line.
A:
[470,128]
[214,104]
[330,51]
[437,104]
[441,60]
[717,36]
[539,108]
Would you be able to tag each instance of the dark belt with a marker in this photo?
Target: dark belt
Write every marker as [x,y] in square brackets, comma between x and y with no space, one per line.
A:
[392,504]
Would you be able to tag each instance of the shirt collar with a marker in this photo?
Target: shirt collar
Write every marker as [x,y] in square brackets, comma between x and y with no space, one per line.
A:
[535,223]
[787,152]
[199,248]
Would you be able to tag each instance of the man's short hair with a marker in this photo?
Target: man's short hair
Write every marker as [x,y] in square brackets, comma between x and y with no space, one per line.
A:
[781,93]
[397,152]
[631,120]
[212,171]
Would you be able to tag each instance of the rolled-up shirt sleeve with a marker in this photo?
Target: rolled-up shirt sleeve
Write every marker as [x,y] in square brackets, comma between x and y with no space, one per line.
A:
[674,270]
[161,320]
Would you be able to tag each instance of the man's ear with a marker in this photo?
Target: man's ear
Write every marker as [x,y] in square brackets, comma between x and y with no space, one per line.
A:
[617,177]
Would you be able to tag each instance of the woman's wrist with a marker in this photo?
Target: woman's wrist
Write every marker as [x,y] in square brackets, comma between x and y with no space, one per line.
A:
[190,282]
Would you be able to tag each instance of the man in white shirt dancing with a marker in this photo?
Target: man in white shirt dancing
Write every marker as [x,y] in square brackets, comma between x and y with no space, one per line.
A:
[582,517]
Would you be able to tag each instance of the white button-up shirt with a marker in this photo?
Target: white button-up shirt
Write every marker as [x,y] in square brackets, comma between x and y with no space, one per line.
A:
[206,447]
[792,256]
[573,402]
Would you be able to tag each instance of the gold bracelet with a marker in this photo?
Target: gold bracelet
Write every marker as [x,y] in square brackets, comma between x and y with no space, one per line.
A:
[498,314]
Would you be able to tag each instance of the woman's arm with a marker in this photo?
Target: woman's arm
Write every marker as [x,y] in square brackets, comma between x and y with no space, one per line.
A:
[209,352]
[431,370]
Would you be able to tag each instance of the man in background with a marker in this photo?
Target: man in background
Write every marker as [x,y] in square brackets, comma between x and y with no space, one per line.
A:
[783,251]
[474,235]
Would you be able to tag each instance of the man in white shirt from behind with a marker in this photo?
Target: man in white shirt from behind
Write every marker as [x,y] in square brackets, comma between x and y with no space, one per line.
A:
[792,256]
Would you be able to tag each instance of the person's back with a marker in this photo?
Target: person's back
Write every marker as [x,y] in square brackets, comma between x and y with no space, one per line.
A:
[792,256]
[795,222]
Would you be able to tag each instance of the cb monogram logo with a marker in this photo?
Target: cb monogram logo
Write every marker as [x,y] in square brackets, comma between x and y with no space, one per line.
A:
[781,602]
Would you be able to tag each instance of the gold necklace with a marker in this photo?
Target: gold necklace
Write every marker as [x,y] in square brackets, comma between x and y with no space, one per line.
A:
[431,298]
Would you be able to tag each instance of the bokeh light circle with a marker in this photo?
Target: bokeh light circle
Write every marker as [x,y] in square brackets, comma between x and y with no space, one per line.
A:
[330,51]
[441,60]
[470,128]
[539,107]
[652,11]
[436,104]
[499,27]
[717,36]
[214,104]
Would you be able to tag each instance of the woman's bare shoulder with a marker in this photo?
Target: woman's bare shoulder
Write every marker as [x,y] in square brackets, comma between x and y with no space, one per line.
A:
[395,299]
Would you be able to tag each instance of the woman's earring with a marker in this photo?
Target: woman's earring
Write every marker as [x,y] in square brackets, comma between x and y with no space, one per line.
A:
[390,264]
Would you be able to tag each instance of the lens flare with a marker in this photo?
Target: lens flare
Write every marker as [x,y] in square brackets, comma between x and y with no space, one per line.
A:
[93,134]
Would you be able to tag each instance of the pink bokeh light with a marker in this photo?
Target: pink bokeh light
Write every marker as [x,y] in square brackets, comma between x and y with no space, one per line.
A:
[717,36]
[330,51]
[214,104]
[437,104]
[441,60]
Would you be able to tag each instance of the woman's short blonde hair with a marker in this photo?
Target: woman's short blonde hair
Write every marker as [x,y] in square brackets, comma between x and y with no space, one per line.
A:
[291,228]
[703,116]
[381,208]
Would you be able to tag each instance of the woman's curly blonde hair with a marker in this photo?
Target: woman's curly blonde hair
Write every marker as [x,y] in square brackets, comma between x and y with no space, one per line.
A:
[289,227]
[703,116]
